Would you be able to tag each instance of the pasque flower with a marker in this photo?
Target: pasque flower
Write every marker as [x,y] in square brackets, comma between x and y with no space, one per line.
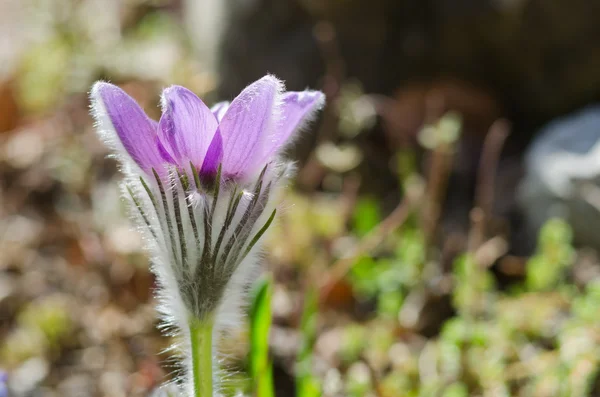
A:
[203,184]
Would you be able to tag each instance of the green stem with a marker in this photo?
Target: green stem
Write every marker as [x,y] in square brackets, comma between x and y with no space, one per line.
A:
[202,367]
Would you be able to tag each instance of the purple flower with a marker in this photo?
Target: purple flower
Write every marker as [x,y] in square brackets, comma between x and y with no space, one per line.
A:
[242,136]
[201,183]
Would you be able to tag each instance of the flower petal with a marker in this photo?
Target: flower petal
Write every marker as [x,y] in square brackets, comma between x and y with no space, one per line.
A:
[298,109]
[247,124]
[214,155]
[122,120]
[186,127]
[219,109]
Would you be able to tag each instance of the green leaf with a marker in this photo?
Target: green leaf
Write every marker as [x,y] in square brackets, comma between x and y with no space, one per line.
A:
[261,367]
[389,303]
[367,216]
[365,276]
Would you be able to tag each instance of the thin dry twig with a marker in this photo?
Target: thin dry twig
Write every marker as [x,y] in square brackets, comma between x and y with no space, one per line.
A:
[343,265]
[440,165]
[437,184]
[486,180]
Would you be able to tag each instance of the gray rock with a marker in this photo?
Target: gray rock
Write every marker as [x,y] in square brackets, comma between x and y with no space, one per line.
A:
[562,177]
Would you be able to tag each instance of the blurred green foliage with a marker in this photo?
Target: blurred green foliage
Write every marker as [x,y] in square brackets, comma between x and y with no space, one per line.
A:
[533,340]
[42,326]
[42,76]
[547,268]
[367,215]
[388,280]
[536,338]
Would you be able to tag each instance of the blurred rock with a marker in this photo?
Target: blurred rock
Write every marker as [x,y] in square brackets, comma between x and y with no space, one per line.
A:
[563,175]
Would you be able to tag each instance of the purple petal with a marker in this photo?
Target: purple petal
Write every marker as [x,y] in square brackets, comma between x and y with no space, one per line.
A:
[162,150]
[219,109]
[214,155]
[298,108]
[186,127]
[135,131]
[247,123]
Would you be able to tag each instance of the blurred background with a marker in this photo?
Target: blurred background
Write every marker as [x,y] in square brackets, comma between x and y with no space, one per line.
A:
[440,237]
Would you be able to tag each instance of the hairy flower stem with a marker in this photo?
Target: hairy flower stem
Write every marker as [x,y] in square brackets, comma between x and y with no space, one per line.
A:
[202,355]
